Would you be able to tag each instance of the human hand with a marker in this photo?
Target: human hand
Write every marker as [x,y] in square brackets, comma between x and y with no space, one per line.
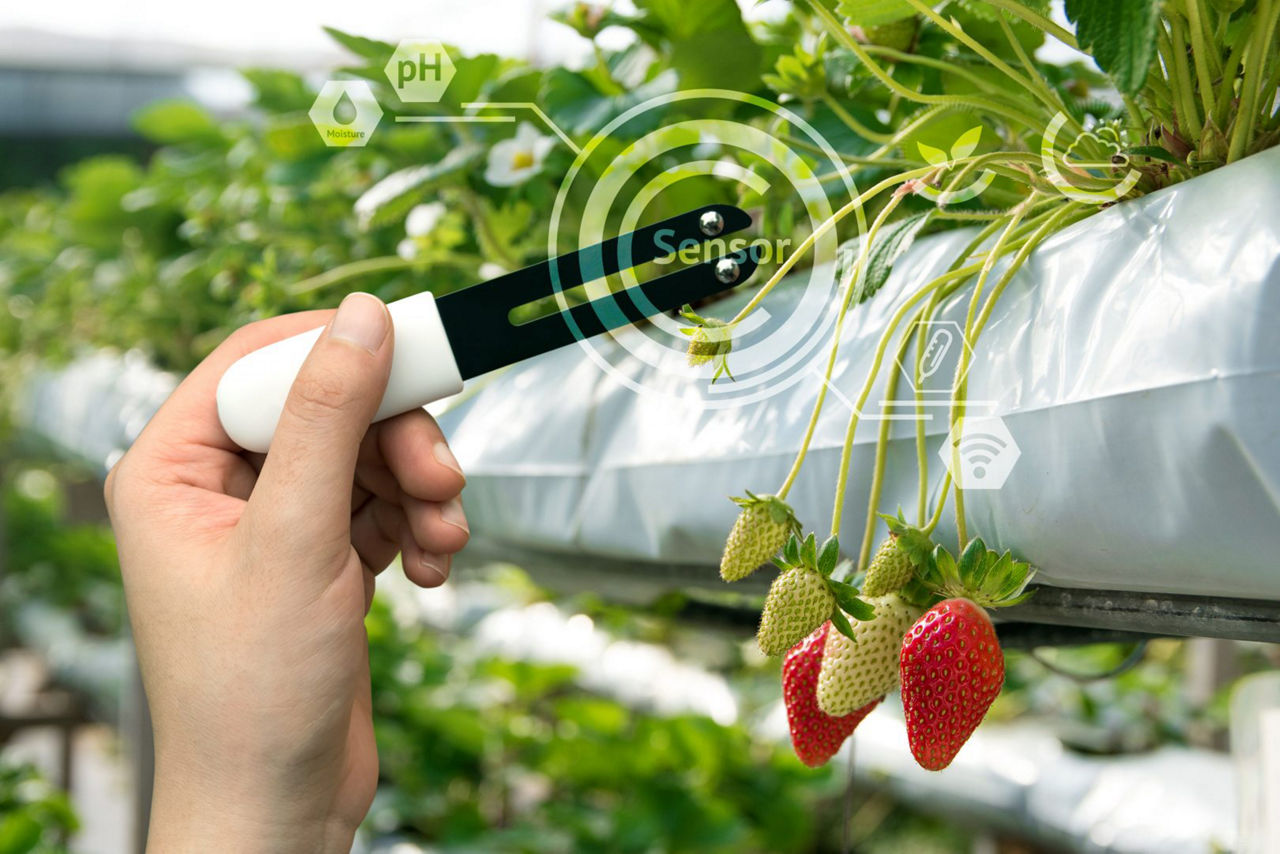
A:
[248,580]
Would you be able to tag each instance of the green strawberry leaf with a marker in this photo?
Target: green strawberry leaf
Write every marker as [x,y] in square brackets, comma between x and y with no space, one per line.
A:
[918,594]
[377,51]
[779,511]
[971,561]
[1120,35]
[848,600]
[391,198]
[895,239]
[829,556]
[990,579]
[841,622]
[791,551]
[687,312]
[843,570]
[915,543]
[859,609]
[1155,152]
[946,567]
[1020,598]
[809,552]
[993,568]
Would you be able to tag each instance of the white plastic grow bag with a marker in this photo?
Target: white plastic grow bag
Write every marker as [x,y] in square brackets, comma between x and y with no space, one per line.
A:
[1135,361]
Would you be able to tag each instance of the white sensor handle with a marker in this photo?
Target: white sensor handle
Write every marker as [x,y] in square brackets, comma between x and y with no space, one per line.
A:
[251,394]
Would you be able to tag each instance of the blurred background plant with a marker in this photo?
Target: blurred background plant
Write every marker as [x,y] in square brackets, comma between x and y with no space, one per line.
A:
[35,818]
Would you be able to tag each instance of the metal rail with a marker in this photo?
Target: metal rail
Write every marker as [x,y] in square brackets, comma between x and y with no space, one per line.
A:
[1054,616]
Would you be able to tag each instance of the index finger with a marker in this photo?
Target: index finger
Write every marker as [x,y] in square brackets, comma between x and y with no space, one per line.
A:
[186,433]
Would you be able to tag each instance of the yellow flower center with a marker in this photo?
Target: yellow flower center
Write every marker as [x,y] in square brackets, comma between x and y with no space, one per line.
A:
[521,160]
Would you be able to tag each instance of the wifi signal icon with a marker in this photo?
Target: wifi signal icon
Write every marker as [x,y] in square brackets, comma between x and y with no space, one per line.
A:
[984,450]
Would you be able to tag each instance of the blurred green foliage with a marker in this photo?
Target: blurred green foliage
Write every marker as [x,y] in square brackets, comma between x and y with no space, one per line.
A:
[514,754]
[51,560]
[35,818]
[231,221]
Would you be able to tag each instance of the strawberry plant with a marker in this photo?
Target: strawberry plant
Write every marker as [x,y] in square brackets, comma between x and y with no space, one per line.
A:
[960,122]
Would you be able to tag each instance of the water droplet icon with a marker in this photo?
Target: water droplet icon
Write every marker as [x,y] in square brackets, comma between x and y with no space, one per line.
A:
[344,109]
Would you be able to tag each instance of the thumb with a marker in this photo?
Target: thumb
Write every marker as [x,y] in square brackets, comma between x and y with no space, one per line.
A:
[305,483]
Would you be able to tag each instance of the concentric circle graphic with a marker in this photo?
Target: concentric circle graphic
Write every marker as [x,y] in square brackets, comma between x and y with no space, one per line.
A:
[622,180]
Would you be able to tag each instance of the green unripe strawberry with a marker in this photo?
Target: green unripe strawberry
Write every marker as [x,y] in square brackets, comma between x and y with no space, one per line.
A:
[895,562]
[709,339]
[890,568]
[760,531]
[898,35]
[705,343]
[855,672]
[800,600]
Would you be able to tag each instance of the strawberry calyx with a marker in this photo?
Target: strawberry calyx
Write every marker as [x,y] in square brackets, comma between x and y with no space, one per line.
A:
[913,541]
[710,339]
[987,578]
[826,562]
[917,547]
[779,511]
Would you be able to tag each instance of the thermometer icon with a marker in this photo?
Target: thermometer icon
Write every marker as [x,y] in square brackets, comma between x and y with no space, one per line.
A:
[935,352]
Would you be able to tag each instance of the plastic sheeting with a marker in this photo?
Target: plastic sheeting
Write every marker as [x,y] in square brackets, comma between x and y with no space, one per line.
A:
[94,408]
[1135,361]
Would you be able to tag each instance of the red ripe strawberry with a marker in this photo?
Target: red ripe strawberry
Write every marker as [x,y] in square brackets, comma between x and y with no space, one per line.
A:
[951,669]
[815,735]
[950,665]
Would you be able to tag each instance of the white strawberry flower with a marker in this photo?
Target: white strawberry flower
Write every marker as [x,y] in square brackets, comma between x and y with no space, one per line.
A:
[516,160]
[423,218]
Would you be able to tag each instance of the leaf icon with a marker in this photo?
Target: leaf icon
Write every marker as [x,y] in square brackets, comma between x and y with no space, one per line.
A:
[932,156]
[966,143]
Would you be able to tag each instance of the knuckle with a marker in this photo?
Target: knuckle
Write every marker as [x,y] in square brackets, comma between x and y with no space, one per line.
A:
[117,479]
[320,394]
[107,487]
[241,339]
[251,334]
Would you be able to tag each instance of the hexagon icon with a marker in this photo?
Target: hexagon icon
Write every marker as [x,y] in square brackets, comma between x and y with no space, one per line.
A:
[944,342]
[419,71]
[345,113]
[986,452]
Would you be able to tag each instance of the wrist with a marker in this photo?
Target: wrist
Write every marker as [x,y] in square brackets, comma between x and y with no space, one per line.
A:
[188,817]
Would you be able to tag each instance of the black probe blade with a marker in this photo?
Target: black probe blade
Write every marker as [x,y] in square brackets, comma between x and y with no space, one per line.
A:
[477,319]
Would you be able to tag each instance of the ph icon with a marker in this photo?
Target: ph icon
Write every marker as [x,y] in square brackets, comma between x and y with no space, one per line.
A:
[419,71]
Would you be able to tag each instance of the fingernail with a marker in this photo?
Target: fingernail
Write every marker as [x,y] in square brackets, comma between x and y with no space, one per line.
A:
[439,564]
[361,320]
[451,512]
[447,459]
